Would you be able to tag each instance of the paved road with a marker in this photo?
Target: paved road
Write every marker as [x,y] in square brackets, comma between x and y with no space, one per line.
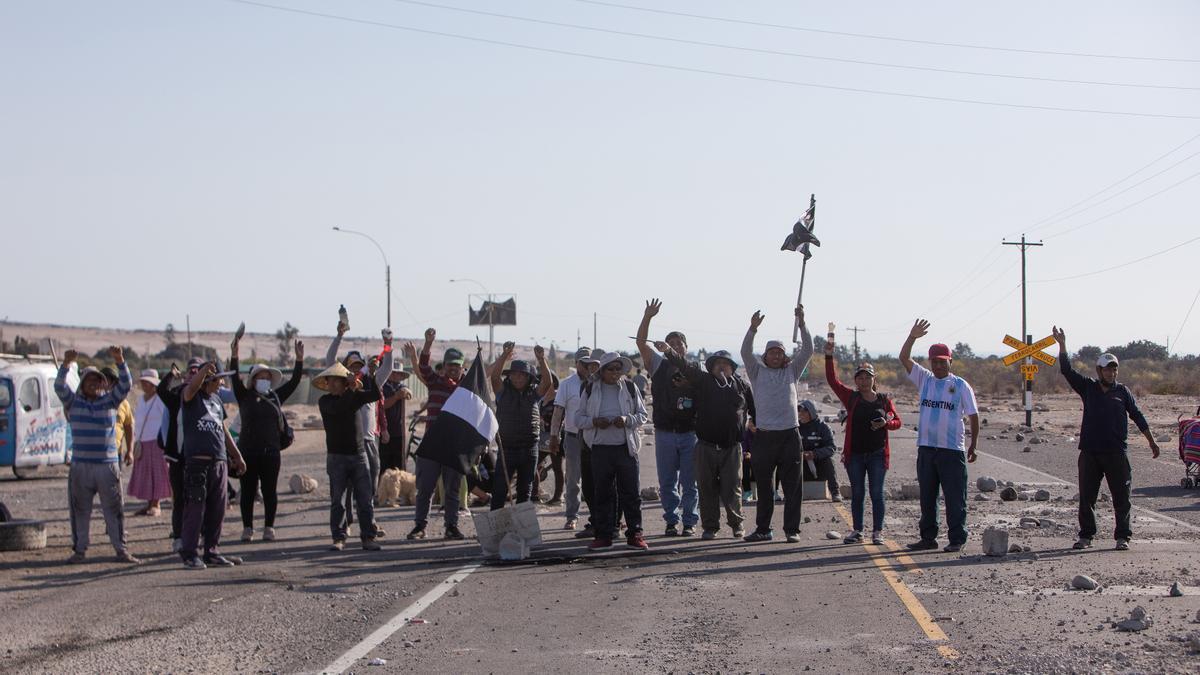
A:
[684,606]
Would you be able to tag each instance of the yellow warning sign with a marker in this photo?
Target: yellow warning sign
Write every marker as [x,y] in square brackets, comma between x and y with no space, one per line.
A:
[1029,370]
[1025,351]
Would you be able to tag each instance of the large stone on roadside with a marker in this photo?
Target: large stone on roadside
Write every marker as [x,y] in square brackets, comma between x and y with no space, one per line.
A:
[1042,495]
[1138,621]
[1008,494]
[986,484]
[302,484]
[910,491]
[1083,582]
[995,542]
[650,493]
[1176,590]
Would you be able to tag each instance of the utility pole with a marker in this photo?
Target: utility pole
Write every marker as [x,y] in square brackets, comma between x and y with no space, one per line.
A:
[594,340]
[1024,327]
[856,331]
[189,332]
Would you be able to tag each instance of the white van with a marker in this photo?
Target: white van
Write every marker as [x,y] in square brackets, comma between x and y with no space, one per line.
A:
[33,425]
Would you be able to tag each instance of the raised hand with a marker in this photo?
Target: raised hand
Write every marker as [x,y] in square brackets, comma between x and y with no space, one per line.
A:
[341,329]
[69,356]
[757,319]
[652,307]
[117,354]
[539,352]
[800,313]
[509,348]
[662,346]
[919,330]
[1060,336]
[430,335]
[299,349]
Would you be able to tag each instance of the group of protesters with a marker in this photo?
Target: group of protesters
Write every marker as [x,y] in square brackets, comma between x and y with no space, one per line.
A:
[720,438]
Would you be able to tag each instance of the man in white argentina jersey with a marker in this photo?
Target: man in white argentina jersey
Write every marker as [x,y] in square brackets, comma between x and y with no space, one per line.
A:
[941,462]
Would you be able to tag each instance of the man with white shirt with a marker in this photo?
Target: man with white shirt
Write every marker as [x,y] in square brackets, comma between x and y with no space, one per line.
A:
[578,467]
[941,461]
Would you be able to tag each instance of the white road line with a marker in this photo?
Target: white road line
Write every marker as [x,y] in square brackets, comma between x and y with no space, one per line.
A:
[1152,512]
[397,622]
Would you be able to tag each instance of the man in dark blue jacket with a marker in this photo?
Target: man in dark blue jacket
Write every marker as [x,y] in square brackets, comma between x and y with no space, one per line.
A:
[1107,407]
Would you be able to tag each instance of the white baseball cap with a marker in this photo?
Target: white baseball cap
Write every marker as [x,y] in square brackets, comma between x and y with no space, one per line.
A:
[1106,360]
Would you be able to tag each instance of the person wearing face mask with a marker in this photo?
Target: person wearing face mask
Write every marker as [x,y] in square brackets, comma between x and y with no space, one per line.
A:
[518,409]
[261,439]
[674,418]
[941,461]
[724,406]
[1108,406]
[95,469]
[773,379]
[867,454]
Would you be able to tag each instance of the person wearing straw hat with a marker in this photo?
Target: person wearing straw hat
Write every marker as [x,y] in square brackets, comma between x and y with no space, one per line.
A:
[724,406]
[777,447]
[209,452]
[92,412]
[577,466]
[149,479]
[345,459]
[519,412]
[610,415]
[263,435]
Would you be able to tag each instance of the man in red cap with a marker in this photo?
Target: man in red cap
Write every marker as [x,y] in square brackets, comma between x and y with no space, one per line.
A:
[941,462]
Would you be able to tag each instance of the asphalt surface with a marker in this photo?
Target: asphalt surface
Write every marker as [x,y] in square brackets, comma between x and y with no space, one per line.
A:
[684,606]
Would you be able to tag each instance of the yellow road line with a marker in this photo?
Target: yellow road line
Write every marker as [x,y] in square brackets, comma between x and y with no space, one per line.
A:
[922,616]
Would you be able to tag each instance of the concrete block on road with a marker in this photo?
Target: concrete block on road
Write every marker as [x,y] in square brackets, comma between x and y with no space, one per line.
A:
[815,490]
[995,542]
[910,491]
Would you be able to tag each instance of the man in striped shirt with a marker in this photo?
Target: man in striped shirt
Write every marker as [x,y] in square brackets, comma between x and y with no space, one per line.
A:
[95,468]
[945,399]
[428,471]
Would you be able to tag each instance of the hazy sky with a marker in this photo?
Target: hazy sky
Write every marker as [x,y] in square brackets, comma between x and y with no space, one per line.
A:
[164,158]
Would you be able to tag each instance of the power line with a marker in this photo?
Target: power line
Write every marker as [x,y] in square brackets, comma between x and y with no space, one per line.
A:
[1187,316]
[986,311]
[704,71]
[775,52]
[933,43]
[1117,267]
[1123,208]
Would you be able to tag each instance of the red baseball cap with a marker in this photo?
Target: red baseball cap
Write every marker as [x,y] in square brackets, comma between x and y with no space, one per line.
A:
[940,351]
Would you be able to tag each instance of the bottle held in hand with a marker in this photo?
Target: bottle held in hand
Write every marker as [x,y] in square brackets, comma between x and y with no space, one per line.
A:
[343,317]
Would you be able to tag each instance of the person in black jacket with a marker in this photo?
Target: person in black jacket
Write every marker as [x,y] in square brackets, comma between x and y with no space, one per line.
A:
[519,412]
[723,405]
[261,438]
[346,460]
[1103,441]
[819,448]
[170,388]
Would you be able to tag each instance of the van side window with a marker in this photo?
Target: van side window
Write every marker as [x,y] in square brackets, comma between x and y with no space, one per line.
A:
[30,396]
[54,400]
[5,396]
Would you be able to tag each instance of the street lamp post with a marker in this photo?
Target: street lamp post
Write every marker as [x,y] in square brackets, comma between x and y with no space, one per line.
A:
[387,268]
[491,314]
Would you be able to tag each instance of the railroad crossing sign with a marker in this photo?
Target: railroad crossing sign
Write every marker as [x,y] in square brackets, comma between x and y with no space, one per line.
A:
[1029,370]
[1025,351]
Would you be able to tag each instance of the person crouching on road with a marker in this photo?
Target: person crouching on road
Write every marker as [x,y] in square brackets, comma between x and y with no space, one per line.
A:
[207,447]
[1103,442]
[773,379]
[723,404]
[817,447]
[610,414]
[519,411]
[95,468]
[346,459]
[866,454]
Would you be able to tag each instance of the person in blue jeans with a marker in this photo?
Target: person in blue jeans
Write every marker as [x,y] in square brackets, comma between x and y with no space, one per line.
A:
[674,428]
[866,454]
[941,461]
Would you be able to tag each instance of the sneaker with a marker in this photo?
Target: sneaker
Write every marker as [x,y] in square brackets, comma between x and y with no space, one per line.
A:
[218,560]
[835,498]
[1082,543]
[588,532]
[793,538]
[708,535]
[747,496]
[176,545]
[268,534]
[922,545]
[570,524]
[127,557]
[554,502]
[637,541]
[379,533]
[337,545]
[760,536]
[778,497]
[371,545]
[248,534]
[672,531]
[194,563]
[236,560]
[877,538]
[853,538]
[688,531]
[77,558]
[953,548]
[739,533]
[599,544]
[418,532]
[452,532]
[1122,545]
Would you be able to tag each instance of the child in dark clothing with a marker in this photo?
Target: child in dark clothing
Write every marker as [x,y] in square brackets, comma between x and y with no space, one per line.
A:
[819,449]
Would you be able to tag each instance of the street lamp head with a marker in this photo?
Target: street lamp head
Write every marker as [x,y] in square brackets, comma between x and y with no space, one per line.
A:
[337,228]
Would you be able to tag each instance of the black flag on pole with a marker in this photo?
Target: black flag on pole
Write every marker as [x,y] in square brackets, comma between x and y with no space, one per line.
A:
[465,425]
[802,232]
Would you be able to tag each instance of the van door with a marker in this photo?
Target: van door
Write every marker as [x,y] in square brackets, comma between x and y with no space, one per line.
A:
[40,429]
[8,424]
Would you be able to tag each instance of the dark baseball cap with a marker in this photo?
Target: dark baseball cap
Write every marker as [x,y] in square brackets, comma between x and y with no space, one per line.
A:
[939,351]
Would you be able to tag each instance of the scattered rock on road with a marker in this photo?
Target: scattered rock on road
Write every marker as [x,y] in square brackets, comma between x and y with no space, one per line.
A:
[1176,590]
[910,491]
[1008,494]
[1137,621]
[650,493]
[982,498]
[995,542]
[1020,437]
[833,535]
[986,484]
[1083,582]
[1042,495]
[302,484]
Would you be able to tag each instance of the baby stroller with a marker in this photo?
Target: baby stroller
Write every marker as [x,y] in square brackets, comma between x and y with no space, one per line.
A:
[1189,450]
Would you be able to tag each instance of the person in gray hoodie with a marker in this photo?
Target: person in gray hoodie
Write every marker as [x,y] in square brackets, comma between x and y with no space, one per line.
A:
[773,380]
